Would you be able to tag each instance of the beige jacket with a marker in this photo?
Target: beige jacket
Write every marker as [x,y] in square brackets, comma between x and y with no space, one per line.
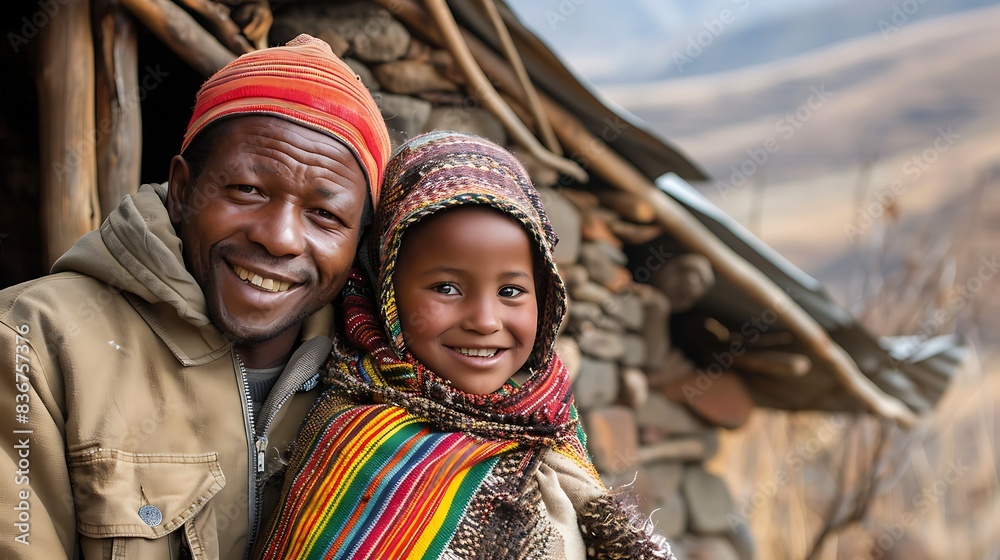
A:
[123,411]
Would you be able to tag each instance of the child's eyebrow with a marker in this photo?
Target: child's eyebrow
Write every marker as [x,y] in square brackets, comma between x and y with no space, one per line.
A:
[443,270]
[460,272]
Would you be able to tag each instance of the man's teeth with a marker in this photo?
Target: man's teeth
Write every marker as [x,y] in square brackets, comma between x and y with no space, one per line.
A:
[478,352]
[268,284]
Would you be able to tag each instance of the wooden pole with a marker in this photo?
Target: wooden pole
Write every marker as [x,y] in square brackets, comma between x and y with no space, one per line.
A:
[534,103]
[68,172]
[119,119]
[481,87]
[182,34]
[218,17]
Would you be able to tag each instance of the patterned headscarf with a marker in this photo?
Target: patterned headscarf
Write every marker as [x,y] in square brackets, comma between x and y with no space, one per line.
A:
[442,170]
[305,83]
[428,174]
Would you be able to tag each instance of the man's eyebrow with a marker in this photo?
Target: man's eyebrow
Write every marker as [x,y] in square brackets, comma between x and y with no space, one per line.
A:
[324,192]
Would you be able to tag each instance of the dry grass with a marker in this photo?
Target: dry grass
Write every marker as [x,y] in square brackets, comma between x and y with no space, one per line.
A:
[829,487]
[938,490]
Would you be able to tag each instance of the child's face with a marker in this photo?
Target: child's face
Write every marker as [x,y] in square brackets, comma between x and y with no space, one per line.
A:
[465,288]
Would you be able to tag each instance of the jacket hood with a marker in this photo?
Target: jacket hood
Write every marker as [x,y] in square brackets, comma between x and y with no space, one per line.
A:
[136,250]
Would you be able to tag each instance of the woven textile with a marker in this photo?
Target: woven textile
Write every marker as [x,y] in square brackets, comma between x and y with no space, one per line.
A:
[305,83]
[395,462]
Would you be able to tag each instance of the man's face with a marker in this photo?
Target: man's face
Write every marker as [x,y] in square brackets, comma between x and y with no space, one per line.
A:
[465,287]
[270,226]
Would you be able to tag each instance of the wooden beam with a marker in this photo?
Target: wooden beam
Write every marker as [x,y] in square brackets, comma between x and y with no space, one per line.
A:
[773,362]
[483,90]
[542,124]
[182,34]
[119,119]
[690,448]
[68,174]
[218,17]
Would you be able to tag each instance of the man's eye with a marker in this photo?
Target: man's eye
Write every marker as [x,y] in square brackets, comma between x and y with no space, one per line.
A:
[325,214]
[245,189]
[510,291]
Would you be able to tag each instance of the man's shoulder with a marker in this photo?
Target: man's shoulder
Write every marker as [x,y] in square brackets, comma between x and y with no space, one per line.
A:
[62,291]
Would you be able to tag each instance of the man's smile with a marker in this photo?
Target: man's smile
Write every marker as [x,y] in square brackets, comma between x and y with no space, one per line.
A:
[262,282]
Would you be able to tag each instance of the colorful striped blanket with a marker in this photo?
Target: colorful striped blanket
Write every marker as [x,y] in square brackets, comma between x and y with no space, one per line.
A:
[382,471]
[371,460]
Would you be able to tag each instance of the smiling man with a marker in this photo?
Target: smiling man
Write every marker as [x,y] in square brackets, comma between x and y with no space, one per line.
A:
[153,381]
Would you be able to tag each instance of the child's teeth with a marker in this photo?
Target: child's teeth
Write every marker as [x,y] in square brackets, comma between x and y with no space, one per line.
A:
[478,352]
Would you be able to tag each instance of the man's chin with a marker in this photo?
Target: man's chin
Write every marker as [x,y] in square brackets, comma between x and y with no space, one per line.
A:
[244,331]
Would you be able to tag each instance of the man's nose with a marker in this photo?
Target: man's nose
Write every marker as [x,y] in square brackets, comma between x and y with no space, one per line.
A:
[279,229]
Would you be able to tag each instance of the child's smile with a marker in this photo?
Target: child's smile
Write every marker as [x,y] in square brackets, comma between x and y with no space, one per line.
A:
[465,287]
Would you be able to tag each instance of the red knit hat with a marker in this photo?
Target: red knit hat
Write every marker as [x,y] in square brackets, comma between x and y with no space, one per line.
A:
[303,82]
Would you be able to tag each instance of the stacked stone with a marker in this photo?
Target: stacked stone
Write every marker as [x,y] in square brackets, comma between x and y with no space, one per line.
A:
[418,88]
[644,435]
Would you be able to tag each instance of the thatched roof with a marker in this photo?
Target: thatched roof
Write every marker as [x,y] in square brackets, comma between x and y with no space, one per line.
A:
[752,280]
[917,373]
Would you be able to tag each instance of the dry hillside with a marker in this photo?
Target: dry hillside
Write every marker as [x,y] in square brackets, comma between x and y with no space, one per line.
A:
[874,166]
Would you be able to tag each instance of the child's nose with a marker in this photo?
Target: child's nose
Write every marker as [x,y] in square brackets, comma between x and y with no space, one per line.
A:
[482,315]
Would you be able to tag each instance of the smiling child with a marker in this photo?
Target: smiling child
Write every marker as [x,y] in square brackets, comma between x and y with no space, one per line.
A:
[448,428]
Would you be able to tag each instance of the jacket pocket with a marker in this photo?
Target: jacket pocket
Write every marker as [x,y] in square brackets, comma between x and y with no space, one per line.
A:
[130,505]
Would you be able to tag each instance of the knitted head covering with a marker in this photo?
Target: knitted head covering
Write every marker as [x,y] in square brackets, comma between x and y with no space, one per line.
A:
[305,83]
[442,170]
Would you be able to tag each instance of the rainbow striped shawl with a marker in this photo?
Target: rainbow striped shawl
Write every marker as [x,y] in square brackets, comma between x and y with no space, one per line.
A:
[393,462]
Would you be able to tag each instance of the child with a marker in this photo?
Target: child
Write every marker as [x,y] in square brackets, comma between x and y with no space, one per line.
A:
[450,431]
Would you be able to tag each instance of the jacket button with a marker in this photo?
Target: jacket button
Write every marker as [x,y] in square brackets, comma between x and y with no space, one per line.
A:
[150,515]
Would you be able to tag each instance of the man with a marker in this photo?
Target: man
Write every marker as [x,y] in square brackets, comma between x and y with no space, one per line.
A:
[153,381]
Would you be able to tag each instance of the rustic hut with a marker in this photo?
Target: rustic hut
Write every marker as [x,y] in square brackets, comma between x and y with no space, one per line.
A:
[680,320]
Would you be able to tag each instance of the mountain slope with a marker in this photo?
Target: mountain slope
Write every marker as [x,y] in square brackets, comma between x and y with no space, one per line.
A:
[682,39]
[869,98]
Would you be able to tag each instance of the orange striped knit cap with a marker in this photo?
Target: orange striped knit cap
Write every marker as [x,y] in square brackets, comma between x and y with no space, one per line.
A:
[303,82]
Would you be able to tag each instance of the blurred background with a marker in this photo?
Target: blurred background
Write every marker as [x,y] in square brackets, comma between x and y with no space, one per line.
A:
[861,139]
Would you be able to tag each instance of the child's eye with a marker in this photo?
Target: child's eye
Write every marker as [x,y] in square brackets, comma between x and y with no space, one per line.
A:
[510,291]
[446,289]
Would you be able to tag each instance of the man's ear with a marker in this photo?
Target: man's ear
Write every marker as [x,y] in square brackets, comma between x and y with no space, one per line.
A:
[178,190]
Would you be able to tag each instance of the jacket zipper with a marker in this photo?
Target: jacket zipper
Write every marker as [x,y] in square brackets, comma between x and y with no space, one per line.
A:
[295,382]
[260,449]
[257,451]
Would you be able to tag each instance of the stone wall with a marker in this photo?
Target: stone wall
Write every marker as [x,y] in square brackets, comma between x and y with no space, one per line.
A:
[651,421]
